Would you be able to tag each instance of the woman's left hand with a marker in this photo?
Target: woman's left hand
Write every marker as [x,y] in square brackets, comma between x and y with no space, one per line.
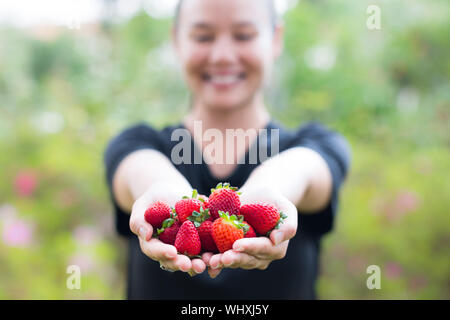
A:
[259,252]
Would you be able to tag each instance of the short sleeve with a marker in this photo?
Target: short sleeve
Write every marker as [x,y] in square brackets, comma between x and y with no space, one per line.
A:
[336,152]
[132,139]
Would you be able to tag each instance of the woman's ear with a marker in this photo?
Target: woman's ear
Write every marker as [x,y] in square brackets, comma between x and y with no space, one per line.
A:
[278,40]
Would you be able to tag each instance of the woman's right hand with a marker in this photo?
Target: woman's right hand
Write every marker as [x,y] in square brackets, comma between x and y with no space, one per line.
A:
[155,249]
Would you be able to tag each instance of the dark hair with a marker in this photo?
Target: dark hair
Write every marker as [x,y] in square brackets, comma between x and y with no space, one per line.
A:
[269,3]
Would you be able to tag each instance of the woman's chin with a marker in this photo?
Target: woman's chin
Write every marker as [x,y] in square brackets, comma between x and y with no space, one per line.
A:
[224,105]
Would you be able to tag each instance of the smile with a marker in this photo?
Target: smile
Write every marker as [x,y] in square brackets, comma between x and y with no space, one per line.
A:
[224,80]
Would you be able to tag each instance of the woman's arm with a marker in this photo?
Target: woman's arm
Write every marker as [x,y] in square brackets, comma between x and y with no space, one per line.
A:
[299,174]
[298,177]
[139,171]
[142,178]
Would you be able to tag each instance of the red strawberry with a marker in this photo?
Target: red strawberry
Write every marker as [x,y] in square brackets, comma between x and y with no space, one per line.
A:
[187,240]
[205,205]
[201,221]
[262,217]
[205,233]
[250,232]
[169,230]
[204,200]
[226,230]
[157,213]
[186,206]
[224,198]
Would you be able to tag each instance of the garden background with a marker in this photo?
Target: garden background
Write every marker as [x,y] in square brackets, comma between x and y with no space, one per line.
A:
[65,90]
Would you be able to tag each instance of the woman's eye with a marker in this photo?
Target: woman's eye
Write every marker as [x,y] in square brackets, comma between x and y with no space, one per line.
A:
[244,36]
[204,38]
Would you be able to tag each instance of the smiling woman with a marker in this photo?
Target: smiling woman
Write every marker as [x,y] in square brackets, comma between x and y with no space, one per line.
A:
[226,53]
[227,50]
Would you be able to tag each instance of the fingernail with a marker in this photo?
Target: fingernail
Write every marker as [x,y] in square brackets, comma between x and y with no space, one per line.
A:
[143,233]
[216,267]
[184,269]
[278,237]
[238,248]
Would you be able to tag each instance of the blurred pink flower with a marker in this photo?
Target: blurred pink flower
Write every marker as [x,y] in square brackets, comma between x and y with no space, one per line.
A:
[17,233]
[83,260]
[25,183]
[393,270]
[402,204]
[86,235]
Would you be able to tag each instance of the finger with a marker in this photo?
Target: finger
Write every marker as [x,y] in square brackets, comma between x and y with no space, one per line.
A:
[260,247]
[157,250]
[231,259]
[183,263]
[206,257]
[215,261]
[138,225]
[288,227]
[180,263]
[198,266]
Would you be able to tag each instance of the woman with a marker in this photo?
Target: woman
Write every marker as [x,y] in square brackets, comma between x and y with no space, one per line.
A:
[227,50]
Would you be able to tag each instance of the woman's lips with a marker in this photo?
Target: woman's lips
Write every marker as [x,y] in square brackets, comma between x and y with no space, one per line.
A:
[223,81]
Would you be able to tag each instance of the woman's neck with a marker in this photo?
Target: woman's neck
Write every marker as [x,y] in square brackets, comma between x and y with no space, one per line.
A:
[252,116]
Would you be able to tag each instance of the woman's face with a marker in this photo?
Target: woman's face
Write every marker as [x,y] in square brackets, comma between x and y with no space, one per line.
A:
[226,50]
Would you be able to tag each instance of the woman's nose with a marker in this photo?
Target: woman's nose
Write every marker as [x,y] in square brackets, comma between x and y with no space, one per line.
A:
[223,51]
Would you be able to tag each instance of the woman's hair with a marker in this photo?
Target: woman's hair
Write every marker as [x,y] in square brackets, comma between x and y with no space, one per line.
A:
[269,3]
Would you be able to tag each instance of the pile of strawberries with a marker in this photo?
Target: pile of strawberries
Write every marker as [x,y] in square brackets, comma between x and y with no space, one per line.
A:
[211,224]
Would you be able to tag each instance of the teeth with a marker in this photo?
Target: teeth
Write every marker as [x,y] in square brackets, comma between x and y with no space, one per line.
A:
[228,79]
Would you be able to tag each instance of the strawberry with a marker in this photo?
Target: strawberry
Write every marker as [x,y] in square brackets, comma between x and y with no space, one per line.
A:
[205,204]
[187,240]
[168,232]
[262,217]
[186,206]
[204,200]
[202,221]
[226,230]
[250,232]
[205,234]
[157,213]
[223,198]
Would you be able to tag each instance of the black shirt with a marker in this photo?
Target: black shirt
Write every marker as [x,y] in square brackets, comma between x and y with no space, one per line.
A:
[293,277]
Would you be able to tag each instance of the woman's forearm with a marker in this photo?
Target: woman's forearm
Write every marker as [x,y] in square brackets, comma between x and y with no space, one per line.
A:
[141,170]
[299,174]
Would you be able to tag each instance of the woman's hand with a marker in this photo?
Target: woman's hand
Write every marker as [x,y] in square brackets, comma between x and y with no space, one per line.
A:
[259,252]
[155,249]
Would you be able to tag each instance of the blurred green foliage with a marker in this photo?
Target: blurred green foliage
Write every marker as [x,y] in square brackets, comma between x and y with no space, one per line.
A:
[63,96]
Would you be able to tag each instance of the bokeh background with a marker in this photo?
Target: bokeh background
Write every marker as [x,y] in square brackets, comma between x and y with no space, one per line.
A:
[75,73]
